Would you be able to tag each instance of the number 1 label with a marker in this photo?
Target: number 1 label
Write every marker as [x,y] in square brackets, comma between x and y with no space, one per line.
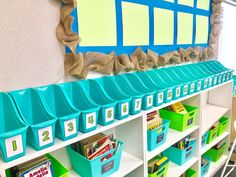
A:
[14,146]
[137,104]
[45,136]
[70,127]
[91,120]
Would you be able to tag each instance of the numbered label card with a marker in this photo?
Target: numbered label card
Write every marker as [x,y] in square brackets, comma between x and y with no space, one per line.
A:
[124,109]
[70,127]
[210,81]
[224,77]
[192,87]
[199,84]
[14,146]
[45,136]
[215,80]
[185,89]
[205,83]
[160,97]
[178,91]
[149,100]
[169,95]
[91,120]
[137,105]
[109,114]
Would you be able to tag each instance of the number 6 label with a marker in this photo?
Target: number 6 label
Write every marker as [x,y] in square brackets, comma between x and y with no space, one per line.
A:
[70,127]
[124,109]
[91,120]
[45,136]
[14,146]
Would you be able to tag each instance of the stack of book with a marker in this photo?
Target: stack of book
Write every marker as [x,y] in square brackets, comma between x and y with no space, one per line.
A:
[156,164]
[219,145]
[178,108]
[97,145]
[153,121]
[40,166]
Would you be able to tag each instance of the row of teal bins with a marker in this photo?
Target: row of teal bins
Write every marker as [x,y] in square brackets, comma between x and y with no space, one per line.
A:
[39,114]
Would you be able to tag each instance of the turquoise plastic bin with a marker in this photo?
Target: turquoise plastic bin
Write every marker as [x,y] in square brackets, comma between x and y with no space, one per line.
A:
[137,83]
[205,168]
[128,89]
[41,133]
[58,105]
[204,138]
[186,83]
[96,167]
[158,136]
[178,87]
[113,91]
[12,130]
[198,79]
[107,112]
[171,90]
[180,156]
[185,75]
[80,99]
[159,98]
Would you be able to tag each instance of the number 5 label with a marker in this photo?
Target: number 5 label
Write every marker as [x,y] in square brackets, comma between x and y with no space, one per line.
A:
[91,120]
[14,146]
[109,114]
[70,127]
[45,136]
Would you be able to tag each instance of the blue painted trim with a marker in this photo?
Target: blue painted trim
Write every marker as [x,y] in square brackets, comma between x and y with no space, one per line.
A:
[119,49]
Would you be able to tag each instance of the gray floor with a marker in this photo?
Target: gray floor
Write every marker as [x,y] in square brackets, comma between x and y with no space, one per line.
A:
[233,174]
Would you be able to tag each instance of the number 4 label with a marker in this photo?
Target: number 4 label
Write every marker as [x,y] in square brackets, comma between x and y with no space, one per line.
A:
[45,136]
[91,120]
[14,146]
[70,127]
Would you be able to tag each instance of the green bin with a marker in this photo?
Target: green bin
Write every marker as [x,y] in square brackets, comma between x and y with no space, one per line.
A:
[191,173]
[212,134]
[223,124]
[216,154]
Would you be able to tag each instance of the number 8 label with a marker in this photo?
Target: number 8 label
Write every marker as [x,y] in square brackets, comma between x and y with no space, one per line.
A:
[70,127]
[14,146]
[45,136]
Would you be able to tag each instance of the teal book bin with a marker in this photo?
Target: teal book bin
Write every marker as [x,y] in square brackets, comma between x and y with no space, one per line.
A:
[149,83]
[12,130]
[58,105]
[205,138]
[137,83]
[128,89]
[205,168]
[41,133]
[108,106]
[198,79]
[158,136]
[80,99]
[96,167]
[179,156]
[113,91]
[170,90]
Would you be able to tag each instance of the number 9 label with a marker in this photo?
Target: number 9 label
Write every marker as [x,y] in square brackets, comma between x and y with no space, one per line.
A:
[45,136]
[14,146]
[70,127]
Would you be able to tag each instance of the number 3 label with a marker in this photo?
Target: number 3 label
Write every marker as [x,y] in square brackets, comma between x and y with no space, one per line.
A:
[14,146]
[91,120]
[45,136]
[70,127]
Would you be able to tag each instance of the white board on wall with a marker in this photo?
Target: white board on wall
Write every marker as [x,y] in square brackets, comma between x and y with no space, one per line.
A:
[30,54]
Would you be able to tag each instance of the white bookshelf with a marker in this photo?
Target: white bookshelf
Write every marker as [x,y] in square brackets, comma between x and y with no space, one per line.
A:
[213,103]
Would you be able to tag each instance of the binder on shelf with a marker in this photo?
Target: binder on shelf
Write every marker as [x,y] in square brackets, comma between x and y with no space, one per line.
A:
[41,133]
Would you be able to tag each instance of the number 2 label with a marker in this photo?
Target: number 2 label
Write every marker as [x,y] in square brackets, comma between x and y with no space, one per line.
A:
[14,146]
[45,136]
[70,127]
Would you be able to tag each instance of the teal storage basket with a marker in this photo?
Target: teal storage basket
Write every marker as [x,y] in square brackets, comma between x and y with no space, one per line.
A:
[12,130]
[195,76]
[79,98]
[149,83]
[138,85]
[171,90]
[205,138]
[113,91]
[95,167]
[58,105]
[218,65]
[41,133]
[205,168]
[180,156]
[108,106]
[128,89]
[158,136]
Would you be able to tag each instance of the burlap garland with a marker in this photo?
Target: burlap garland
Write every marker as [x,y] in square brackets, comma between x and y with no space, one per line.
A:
[78,65]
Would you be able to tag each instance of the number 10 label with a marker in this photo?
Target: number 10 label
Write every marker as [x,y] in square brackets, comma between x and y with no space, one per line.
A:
[91,120]
[70,127]
[14,146]
[45,136]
